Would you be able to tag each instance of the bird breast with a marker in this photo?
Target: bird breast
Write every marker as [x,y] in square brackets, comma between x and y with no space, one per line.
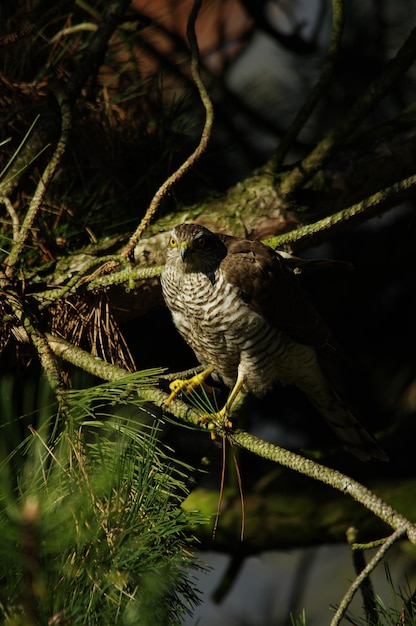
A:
[222,329]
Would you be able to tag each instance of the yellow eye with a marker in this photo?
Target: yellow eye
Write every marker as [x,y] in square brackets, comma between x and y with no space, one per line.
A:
[172,242]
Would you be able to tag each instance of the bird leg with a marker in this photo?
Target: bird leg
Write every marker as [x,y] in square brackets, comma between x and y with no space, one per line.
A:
[186,386]
[220,418]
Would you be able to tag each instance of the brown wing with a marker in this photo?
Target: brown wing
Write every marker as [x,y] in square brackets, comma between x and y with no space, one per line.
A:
[269,287]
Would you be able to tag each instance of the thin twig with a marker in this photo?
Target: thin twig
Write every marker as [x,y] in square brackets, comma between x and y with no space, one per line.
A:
[399,532]
[318,90]
[128,250]
[94,53]
[128,276]
[13,215]
[46,355]
[367,590]
[38,196]
[365,103]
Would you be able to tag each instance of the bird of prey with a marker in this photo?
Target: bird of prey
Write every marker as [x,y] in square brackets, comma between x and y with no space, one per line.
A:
[241,308]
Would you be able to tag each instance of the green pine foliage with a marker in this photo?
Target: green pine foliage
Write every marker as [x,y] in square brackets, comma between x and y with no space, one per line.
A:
[91,525]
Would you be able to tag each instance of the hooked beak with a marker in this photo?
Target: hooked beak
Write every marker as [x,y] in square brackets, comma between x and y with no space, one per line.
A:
[184,250]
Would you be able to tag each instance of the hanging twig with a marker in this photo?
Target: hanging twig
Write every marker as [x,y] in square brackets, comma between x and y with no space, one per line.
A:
[128,250]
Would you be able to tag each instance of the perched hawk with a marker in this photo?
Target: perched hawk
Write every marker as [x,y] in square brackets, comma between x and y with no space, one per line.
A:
[242,310]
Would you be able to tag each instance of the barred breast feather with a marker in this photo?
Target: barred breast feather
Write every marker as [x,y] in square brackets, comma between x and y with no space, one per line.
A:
[222,330]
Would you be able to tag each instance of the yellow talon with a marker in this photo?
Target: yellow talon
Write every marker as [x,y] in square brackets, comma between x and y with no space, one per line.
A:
[217,420]
[220,419]
[187,386]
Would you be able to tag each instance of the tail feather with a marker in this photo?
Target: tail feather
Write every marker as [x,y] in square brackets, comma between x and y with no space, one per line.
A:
[320,377]
[335,392]
[317,383]
[354,437]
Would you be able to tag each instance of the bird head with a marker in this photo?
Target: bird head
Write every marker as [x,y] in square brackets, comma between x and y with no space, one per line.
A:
[194,248]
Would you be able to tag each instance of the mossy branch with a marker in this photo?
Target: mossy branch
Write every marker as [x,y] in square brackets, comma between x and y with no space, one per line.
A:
[163,190]
[264,449]
[82,359]
[375,92]
[46,355]
[328,476]
[383,199]
[308,234]
[106,275]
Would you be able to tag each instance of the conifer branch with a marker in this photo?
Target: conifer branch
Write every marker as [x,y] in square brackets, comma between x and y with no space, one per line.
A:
[264,449]
[86,361]
[128,276]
